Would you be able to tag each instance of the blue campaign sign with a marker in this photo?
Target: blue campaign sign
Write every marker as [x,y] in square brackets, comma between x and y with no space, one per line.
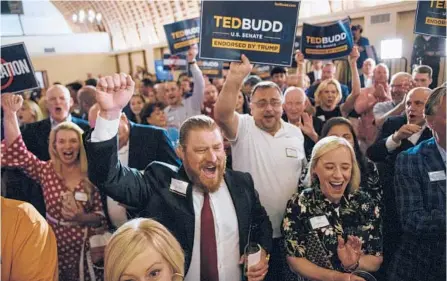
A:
[431,18]
[182,34]
[262,30]
[16,69]
[327,42]
[162,75]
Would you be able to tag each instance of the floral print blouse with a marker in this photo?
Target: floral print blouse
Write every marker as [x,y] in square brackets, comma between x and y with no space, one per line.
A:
[356,215]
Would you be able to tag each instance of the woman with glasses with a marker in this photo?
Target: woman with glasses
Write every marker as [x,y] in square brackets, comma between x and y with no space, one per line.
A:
[143,250]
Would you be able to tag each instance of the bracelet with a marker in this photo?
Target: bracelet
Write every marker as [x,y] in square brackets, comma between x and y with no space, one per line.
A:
[352,267]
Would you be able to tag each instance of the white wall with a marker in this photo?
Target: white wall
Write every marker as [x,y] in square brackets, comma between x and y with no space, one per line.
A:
[78,43]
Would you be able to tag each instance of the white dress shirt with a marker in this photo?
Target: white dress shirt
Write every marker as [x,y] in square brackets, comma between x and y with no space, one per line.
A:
[227,235]
[317,75]
[391,145]
[105,130]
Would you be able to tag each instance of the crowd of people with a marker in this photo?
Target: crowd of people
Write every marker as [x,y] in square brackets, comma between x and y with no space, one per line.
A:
[181,180]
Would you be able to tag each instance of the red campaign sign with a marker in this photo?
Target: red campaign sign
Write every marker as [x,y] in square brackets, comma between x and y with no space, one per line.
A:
[16,70]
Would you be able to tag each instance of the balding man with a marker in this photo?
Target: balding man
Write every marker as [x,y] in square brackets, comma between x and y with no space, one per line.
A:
[398,134]
[36,135]
[294,106]
[86,99]
[400,85]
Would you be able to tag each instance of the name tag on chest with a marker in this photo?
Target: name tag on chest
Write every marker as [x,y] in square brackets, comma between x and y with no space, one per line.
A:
[81,196]
[178,186]
[436,176]
[319,222]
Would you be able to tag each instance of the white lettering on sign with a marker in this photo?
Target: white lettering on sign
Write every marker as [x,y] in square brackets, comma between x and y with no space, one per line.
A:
[14,68]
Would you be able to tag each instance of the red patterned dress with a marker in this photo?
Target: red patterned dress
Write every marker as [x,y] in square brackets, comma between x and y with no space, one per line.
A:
[72,240]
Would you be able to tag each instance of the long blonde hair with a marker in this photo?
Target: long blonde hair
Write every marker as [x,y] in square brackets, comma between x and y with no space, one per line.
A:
[133,238]
[37,112]
[323,85]
[57,163]
[326,145]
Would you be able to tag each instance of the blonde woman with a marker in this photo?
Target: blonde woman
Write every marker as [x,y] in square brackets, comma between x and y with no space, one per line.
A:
[143,249]
[332,228]
[73,205]
[30,112]
[327,98]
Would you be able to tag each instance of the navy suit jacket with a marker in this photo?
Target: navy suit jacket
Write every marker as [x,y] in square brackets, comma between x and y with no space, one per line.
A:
[146,144]
[421,210]
[150,193]
[378,151]
[36,137]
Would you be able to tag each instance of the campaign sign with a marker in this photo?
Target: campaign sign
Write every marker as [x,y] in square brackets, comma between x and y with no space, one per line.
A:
[16,70]
[210,68]
[327,42]
[162,75]
[174,62]
[431,18]
[182,34]
[262,30]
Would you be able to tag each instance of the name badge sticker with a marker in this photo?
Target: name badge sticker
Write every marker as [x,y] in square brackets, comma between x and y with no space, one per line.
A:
[178,186]
[81,196]
[436,176]
[319,222]
[291,152]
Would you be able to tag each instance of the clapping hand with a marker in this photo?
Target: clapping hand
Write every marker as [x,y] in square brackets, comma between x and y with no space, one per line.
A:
[113,93]
[11,103]
[349,252]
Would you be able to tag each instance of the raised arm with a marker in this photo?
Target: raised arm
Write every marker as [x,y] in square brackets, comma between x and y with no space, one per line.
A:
[225,108]
[197,77]
[299,58]
[397,110]
[11,104]
[348,106]
[125,185]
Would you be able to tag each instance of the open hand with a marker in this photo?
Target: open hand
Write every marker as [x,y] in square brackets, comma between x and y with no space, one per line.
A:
[349,252]
[113,93]
[11,103]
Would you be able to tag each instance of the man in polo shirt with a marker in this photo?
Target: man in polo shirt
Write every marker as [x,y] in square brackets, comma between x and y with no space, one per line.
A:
[271,150]
[179,108]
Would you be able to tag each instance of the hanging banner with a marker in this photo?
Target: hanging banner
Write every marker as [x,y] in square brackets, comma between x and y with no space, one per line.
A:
[182,34]
[16,70]
[431,18]
[231,28]
[327,42]
[210,68]
[175,62]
